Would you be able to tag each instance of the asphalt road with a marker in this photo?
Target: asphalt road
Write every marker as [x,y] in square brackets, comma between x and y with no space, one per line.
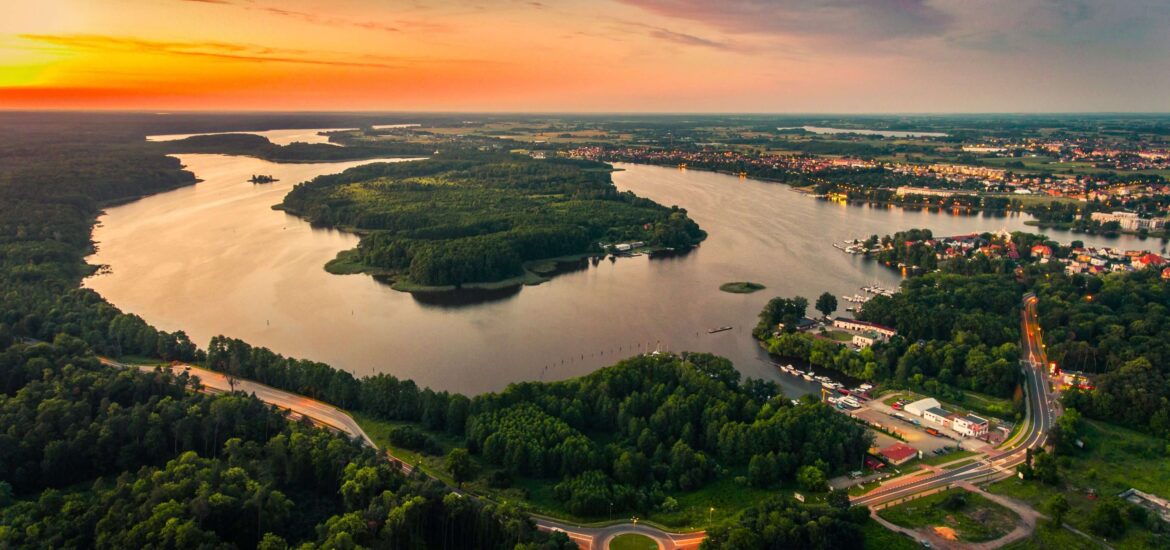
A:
[598,538]
[1040,415]
[320,413]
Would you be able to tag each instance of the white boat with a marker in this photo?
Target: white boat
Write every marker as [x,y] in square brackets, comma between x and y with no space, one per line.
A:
[850,402]
[807,377]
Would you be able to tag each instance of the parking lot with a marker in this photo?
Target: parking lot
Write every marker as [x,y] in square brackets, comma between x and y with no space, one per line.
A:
[914,436]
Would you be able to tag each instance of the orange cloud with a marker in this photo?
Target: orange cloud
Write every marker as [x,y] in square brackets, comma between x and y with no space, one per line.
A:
[219,50]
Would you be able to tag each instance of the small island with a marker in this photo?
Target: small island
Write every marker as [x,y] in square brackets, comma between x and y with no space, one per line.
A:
[262,179]
[484,219]
[741,287]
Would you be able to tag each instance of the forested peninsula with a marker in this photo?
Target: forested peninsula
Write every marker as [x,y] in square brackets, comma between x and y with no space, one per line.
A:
[260,147]
[467,217]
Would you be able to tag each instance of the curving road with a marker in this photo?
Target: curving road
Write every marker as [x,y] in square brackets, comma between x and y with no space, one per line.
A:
[322,414]
[328,416]
[1040,414]
[599,537]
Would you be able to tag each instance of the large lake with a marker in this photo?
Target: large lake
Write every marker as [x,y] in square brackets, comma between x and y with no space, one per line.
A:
[214,258]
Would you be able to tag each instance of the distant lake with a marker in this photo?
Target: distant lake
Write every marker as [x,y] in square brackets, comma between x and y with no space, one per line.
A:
[279,137]
[214,258]
[883,133]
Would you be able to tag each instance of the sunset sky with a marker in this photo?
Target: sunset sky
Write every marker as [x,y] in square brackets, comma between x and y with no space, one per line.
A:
[606,55]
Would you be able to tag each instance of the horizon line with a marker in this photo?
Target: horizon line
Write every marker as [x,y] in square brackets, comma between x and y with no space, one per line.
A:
[567,112]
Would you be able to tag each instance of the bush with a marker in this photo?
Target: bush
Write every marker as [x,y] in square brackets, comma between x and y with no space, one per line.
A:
[410,437]
[954,501]
[1106,519]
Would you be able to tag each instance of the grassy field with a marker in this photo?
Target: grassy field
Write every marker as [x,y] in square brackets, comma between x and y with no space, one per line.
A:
[959,464]
[631,541]
[741,287]
[727,497]
[980,404]
[1115,459]
[839,336]
[980,520]
[1046,538]
[880,538]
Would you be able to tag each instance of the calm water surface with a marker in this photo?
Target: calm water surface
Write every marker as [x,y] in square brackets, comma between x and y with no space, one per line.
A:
[214,258]
[883,133]
[279,137]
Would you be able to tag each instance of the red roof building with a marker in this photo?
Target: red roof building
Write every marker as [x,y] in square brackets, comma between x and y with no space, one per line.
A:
[1041,251]
[899,453]
[1151,260]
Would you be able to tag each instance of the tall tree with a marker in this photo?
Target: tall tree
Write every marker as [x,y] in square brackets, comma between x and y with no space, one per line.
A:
[827,303]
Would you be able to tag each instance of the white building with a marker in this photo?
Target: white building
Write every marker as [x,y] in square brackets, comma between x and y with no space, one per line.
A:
[971,425]
[937,415]
[864,340]
[1129,221]
[918,407]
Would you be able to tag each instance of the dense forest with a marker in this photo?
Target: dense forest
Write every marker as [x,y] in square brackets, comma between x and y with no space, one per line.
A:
[625,436]
[100,458]
[473,216]
[1115,328]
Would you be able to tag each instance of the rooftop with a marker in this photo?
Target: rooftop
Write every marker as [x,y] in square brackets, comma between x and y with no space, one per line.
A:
[899,451]
[938,411]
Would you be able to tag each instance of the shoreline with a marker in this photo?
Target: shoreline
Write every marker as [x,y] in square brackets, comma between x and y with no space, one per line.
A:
[1108,234]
